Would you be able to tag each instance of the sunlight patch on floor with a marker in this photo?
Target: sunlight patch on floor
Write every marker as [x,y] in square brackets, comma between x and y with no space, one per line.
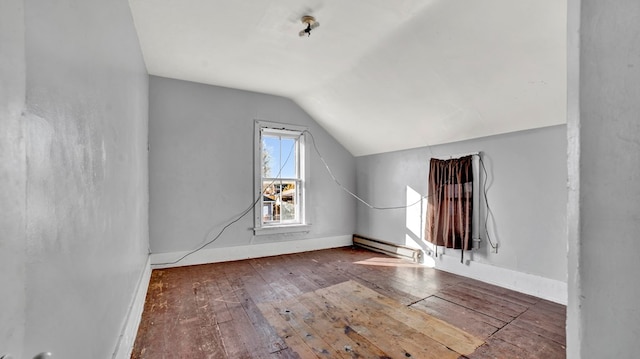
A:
[389,262]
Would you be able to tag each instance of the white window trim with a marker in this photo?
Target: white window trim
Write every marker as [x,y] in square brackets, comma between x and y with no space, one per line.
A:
[303,225]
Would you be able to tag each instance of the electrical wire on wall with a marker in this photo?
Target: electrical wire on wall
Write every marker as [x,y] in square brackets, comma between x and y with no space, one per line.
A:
[487,208]
[484,192]
[246,211]
[239,216]
[243,213]
[313,140]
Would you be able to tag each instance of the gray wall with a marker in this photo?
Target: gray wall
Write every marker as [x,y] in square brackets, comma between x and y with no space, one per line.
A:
[13,256]
[526,193]
[73,132]
[604,208]
[201,167]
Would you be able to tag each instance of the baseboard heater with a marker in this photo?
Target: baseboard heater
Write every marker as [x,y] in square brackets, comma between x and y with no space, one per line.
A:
[391,249]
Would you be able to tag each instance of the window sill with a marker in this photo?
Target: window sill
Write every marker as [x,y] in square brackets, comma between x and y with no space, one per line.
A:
[289,228]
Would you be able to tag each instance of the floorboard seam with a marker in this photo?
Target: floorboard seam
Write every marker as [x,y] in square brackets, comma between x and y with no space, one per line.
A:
[420,300]
[231,297]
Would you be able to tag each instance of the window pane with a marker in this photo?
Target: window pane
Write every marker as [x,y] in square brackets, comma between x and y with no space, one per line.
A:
[281,183]
[279,201]
[288,198]
[288,155]
[269,196]
[270,156]
[279,157]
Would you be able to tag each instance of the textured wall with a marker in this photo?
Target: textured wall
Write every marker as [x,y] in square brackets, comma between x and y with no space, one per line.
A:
[526,193]
[74,174]
[201,167]
[604,137]
[12,179]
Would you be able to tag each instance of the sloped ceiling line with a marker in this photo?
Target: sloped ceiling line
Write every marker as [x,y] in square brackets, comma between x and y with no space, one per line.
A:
[379,76]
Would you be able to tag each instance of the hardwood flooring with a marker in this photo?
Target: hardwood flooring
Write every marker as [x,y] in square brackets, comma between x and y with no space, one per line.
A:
[340,303]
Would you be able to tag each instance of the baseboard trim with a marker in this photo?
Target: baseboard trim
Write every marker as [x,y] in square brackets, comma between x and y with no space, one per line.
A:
[545,288]
[124,347]
[215,255]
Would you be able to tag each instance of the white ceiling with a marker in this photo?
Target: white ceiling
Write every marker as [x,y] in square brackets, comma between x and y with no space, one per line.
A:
[379,75]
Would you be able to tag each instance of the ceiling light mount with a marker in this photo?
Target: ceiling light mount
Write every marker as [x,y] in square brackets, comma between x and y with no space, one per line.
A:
[311,23]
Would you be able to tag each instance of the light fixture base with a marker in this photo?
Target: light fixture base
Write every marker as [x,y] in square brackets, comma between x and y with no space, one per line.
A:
[308,19]
[310,23]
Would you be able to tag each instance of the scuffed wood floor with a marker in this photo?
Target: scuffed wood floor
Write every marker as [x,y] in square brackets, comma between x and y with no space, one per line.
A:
[323,304]
[348,320]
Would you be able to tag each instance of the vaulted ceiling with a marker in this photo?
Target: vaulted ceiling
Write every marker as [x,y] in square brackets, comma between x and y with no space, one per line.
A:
[379,75]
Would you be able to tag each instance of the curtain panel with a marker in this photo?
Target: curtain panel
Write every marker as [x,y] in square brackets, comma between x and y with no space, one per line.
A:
[450,203]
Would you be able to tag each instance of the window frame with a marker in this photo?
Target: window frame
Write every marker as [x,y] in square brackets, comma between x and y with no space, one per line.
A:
[301,224]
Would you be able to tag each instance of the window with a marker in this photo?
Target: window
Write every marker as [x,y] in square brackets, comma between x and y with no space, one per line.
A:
[280,177]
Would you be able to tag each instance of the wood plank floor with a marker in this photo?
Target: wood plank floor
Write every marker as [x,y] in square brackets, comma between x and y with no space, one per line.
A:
[320,305]
[349,320]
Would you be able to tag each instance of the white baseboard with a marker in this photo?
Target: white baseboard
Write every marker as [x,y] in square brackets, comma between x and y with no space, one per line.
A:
[130,329]
[215,255]
[545,288]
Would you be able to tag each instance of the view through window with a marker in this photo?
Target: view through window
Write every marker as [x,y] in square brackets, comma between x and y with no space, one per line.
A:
[281,177]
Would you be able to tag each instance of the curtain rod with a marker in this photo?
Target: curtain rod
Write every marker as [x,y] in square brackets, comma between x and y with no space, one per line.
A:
[477,153]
